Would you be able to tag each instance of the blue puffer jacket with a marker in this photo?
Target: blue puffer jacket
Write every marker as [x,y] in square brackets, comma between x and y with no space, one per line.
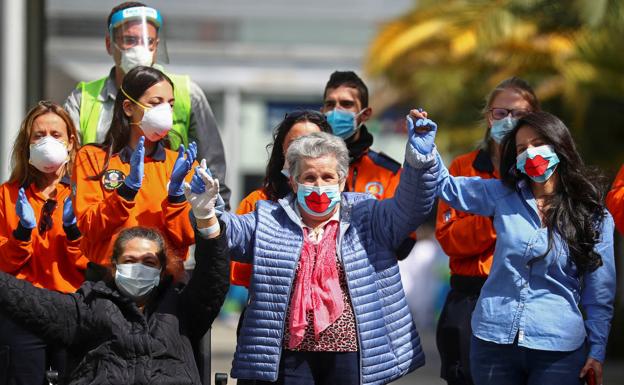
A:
[370,230]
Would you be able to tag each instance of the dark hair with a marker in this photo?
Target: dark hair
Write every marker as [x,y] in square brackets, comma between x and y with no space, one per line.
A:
[126,5]
[348,79]
[275,184]
[134,84]
[516,85]
[577,207]
[170,266]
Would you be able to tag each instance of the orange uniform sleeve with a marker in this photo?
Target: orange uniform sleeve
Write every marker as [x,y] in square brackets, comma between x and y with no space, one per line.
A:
[462,235]
[74,253]
[98,216]
[615,200]
[14,253]
[240,272]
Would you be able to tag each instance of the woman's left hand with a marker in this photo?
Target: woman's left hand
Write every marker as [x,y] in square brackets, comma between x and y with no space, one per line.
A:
[181,168]
[596,366]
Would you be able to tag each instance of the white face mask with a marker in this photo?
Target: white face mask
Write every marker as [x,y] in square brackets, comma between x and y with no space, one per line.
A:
[48,154]
[157,122]
[138,55]
[136,280]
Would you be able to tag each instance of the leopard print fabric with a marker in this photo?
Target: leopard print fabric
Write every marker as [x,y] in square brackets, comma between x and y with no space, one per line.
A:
[341,336]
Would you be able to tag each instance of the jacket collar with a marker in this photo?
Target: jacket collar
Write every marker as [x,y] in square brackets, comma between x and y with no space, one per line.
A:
[357,148]
[110,88]
[483,162]
[158,154]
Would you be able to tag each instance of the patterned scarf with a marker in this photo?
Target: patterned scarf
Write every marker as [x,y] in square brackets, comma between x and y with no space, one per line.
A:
[317,286]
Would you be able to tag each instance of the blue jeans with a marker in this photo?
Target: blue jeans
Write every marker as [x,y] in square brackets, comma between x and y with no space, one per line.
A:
[499,364]
[317,368]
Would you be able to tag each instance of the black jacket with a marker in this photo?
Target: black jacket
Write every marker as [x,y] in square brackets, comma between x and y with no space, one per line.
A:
[114,342]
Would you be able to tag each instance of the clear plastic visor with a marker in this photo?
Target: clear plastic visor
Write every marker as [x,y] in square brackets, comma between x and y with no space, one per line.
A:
[139,29]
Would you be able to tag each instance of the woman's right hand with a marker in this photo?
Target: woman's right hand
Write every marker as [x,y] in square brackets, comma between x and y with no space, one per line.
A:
[24,210]
[135,177]
[202,192]
[421,131]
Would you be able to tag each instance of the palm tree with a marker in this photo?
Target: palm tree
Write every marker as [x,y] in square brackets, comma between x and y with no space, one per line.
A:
[448,54]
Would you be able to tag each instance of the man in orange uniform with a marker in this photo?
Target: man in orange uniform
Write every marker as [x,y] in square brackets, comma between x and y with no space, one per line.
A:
[615,200]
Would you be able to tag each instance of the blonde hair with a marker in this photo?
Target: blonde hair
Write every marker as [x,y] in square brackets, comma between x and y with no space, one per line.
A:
[22,172]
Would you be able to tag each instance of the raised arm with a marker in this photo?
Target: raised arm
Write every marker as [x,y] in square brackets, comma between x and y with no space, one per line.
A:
[49,314]
[204,295]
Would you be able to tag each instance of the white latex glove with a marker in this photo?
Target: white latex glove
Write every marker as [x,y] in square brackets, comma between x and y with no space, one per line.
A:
[202,193]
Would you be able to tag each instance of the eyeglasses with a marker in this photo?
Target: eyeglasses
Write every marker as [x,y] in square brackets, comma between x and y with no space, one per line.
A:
[46,103]
[45,221]
[501,113]
[298,114]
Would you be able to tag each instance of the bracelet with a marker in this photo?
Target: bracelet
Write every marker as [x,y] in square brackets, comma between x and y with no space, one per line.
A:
[208,231]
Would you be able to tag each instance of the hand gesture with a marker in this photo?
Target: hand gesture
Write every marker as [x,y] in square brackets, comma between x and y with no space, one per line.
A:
[181,167]
[69,218]
[202,193]
[24,210]
[421,131]
[137,165]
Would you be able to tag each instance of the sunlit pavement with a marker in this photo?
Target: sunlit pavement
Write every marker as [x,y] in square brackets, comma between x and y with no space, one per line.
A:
[224,340]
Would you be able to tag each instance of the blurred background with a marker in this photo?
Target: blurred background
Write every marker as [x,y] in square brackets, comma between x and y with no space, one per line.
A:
[256,60]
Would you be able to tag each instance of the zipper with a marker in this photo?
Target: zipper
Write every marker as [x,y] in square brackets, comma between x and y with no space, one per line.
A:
[357,327]
[292,282]
[355,174]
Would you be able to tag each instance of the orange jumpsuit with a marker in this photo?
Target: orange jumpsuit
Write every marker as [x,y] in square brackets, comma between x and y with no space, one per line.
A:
[615,200]
[106,206]
[467,239]
[53,259]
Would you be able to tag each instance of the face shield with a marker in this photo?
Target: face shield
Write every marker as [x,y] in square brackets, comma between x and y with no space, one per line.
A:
[137,35]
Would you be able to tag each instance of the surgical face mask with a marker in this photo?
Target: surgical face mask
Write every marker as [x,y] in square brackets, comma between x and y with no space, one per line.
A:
[539,163]
[48,154]
[157,121]
[318,201]
[502,127]
[136,280]
[138,55]
[343,123]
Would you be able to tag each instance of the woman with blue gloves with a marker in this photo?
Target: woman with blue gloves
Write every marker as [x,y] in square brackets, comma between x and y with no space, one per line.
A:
[553,257]
[326,304]
[39,239]
[133,178]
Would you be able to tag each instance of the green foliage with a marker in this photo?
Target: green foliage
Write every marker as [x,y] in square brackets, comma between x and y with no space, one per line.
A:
[447,56]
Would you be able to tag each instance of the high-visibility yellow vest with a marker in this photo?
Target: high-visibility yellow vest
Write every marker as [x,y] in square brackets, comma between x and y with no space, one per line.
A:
[91,107]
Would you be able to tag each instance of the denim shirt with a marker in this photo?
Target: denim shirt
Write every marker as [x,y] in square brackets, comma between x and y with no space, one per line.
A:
[535,298]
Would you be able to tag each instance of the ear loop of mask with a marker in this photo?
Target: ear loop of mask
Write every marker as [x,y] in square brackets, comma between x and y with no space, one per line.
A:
[135,102]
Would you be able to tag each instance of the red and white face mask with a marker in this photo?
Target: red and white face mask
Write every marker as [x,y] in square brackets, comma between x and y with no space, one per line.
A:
[318,201]
[539,163]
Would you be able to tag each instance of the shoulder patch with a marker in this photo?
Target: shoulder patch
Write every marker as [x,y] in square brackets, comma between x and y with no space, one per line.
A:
[385,161]
[112,179]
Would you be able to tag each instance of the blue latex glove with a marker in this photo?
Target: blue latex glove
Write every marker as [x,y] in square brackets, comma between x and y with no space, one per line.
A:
[421,134]
[24,210]
[69,218]
[135,178]
[181,167]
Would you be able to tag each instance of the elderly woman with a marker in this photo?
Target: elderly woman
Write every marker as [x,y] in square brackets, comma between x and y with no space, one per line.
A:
[326,303]
[137,325]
